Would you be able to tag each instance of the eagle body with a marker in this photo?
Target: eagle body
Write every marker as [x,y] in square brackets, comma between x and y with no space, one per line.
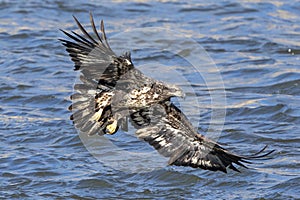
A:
[111,90]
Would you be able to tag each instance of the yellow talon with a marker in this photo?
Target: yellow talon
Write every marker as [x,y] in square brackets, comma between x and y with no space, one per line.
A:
[112,128]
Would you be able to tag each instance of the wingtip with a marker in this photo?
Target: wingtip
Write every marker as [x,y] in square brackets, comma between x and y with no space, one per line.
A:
[259,155]
[74,18]
[77,22]
[91,16]
[102,27]
[70,108]
[65,32]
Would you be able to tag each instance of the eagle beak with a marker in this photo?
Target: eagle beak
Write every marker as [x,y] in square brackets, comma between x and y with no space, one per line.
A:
[176,91]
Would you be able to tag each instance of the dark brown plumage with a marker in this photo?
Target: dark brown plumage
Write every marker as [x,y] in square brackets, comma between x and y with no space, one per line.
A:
[111,89]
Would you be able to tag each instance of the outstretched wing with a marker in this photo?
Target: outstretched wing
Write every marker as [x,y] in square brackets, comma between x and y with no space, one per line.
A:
[173,136]
[100,70]
[94,57]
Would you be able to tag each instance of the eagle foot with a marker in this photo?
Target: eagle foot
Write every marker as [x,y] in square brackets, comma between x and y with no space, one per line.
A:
[112,128]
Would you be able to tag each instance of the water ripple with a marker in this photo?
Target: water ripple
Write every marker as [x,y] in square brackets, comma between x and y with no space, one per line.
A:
[255,46]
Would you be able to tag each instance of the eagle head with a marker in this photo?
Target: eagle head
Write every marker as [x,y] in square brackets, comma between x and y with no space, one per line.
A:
[164,91]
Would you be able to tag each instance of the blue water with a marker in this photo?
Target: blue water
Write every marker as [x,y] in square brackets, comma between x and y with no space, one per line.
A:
[255,46]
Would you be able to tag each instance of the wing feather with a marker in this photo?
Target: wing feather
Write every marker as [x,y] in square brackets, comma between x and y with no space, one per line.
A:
[84,32]
[104,35]
[174,137]
[94,54]
[94,27]
[100,70]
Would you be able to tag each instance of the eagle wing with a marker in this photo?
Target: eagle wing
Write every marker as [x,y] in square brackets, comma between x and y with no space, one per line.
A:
[100,71]
[173,136]
[94,57]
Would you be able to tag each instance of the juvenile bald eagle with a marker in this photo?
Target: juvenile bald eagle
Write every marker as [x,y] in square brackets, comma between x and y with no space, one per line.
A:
[112,89]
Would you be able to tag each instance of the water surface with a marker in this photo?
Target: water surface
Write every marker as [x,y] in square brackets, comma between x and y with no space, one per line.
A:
[255,46]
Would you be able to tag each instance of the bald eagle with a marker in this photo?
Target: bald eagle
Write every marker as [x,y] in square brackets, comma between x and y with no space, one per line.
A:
[111,91]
